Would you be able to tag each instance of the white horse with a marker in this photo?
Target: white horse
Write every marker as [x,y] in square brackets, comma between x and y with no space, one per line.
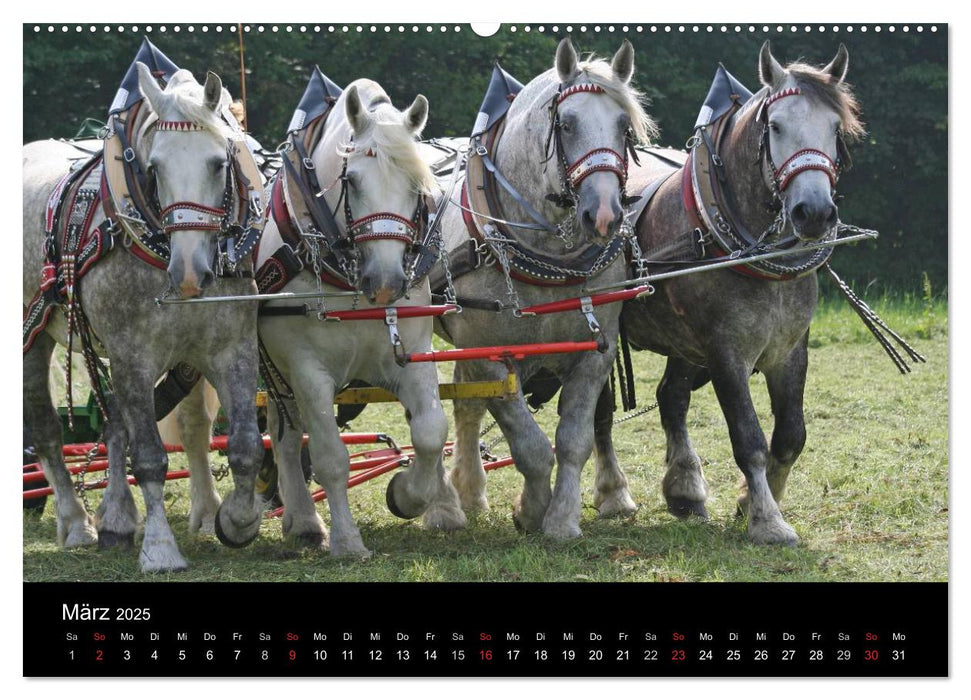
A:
[563,149]
[373,144]
[183,142]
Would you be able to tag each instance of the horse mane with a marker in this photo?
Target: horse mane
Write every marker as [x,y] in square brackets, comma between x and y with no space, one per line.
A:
[837,95]
[186,96]
[631,100]
[393,144]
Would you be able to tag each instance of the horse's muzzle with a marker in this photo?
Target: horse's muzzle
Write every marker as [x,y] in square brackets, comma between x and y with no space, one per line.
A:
[811,222]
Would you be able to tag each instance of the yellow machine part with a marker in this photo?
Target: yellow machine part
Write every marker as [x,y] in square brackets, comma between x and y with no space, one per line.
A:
[500,389]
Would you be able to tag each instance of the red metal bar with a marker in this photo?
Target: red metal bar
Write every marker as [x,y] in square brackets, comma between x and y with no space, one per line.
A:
[498,464]
[219,442]
[377,471]
[402,311]
[48,491]
[498,353]
[574,304]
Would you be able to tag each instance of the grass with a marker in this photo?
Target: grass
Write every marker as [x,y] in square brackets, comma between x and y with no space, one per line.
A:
[868,497]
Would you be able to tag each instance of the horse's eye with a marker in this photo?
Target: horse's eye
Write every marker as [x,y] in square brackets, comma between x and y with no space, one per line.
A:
[775,127]
[218,166]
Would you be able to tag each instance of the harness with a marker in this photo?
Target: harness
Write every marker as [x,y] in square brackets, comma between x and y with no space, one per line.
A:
[129,197]
[312,237]
[114,180]
[706,195]
[490,240]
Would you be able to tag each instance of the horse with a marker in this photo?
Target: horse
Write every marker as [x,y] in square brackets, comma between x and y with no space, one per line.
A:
[554,223]
[361,160]
[721,325]
[195,183]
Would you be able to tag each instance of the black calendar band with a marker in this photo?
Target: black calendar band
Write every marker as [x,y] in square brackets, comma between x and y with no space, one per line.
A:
[486,629]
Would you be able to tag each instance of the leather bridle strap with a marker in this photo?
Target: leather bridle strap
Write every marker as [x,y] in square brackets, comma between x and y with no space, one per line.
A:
[383,226]
[598,160]
[189,215]
[800,162]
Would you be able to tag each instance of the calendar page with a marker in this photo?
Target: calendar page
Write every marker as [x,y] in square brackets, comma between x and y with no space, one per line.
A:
[604,349]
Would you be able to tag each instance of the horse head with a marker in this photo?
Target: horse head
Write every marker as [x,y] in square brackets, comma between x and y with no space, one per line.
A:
[185,153]
[805,135]
[385,185]
[596,116]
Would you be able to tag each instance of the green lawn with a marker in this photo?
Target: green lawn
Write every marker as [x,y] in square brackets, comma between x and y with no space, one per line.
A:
[868,497]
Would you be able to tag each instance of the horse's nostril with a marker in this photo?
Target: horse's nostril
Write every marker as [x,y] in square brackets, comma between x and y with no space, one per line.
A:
[833,215]
[207,279]
[800,214]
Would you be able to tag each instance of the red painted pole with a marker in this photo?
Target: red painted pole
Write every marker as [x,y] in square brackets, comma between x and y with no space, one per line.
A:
[498,353]
[401,311]
[595,300]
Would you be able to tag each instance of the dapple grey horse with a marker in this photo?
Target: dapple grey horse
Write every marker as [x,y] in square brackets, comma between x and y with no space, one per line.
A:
[596,110]
[373,144]
[722,325]
[141,340]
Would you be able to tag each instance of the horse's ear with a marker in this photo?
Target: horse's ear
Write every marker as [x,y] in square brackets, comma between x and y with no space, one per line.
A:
[837,67]
[149,86]
[417,114]
[623,62]
[213,91]
[770,71]
[566,61]
[355,110]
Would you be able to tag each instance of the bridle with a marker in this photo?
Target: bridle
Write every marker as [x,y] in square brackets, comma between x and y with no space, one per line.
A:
[382,225]
[779,178]
[238,221]
[597,160]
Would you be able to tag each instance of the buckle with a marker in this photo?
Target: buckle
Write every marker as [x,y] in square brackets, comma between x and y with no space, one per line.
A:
[397,347]
[128,154]
[308,164]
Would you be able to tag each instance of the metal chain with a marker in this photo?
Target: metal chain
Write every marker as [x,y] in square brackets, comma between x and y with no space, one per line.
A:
[79,484]
[503,258]
[635,414]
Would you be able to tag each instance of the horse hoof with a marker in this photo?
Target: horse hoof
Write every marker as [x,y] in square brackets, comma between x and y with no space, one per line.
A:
[247,535]
[115,540]
[684,508]
[393,506]
[309,540]
[780,533]
[444,519]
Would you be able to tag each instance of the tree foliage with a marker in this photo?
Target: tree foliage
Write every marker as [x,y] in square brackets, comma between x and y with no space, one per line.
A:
[898,184]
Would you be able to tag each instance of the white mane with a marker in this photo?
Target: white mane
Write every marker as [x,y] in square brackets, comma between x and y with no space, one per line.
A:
[185,96]
[631,100]
[394,145]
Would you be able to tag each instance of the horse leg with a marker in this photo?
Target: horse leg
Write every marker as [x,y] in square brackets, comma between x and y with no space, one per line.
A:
[330,460]
[423,487]
[611,493]
[233,374]
[134,398]
[195,428]
[574,443]
[301,521]
[75,528]
[533,456]
[730,379]
[467,475]
[786,383]
[117,515]
[684,485]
